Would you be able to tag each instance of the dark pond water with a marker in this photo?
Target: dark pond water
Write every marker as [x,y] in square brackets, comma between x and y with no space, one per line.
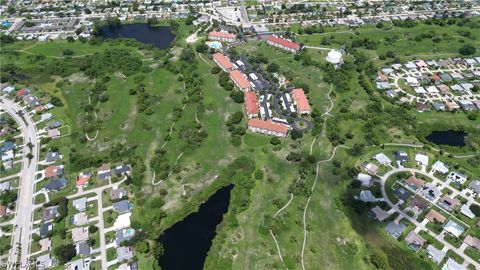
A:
[187,243]
[447,137]
[160,36]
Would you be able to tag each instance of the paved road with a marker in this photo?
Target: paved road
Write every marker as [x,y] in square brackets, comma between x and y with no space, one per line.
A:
[414,221]
[23,218]
[307,125]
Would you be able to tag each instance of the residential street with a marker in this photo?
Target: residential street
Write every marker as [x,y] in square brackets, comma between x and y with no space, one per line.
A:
[22,222]
[422,226]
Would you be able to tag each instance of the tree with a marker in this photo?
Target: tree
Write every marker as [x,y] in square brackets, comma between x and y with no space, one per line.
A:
[379,259]
[70,39]
[272,67]
[215,70]
[275,140]
[29,155]
[92,229]
[65,253]
[201,48]
[475,208]
[467,49]
[237,96]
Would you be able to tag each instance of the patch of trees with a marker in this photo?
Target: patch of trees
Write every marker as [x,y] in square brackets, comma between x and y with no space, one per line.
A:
[236,130]
[404,23]
[64,253]
[8,197]
[110,61]
[467,49]
[62,203]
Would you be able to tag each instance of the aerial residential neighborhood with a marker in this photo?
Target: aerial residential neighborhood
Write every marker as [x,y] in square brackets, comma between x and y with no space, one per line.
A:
[240,135]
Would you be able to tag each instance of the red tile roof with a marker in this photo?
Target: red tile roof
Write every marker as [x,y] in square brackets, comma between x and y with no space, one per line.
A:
[251,103]
[283,42]
[51,171]
[83,179]
[240,79]
[300,99]
[3,210]
[222,34]
[268,125]
[22,92]
[223,61]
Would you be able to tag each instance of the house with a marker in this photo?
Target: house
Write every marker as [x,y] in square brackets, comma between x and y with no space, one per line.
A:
[45,261]
[53,133]
[240,80]
[475,186]
[80,204]
[124,235]
[379,213]
[124,253]
[402,194]
[223,62]
[251,105]
[222,36]
[7,156]
[45,229]
[443,88]
[79,219]
[45,244]
[395,229]
[448,203]
[56,184]
[83,178]
[49,213]
[430,191]
[122,221]
[382,159]
[301,101]
[268,127]
[79,264]
[440,167]
[421,159]
[367,196]
[419,204]
[7,146]
[422,107]
[45,116]
[126,266]
[400,156]
[5,186]
[450,264]
[414,182]
[472,241]
[122,170]
[435,254]
[3,210]
[420,90]
[52,157]
[457,177]
[79,234]
[365,179]
[118,193]
[122,206]
[370,167]
[452,106]
[104,172]
[434,216]
[284,44]
[438,106]
[8,89]
[53,124]
[414,241]
[53,171]
[466,105]
[453,228]
[82,249]
[22,92]
[465,210]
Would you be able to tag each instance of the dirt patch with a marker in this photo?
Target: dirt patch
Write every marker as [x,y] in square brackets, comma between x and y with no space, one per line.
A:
[128,124]
[78,78]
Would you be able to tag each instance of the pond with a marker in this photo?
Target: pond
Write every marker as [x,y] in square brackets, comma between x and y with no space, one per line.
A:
[160,36]
[187,242]
[448,137]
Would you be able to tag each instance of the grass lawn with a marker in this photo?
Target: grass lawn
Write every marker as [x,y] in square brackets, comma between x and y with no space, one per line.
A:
[456,242]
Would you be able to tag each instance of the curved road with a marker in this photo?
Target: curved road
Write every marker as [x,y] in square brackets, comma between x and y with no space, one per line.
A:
[23,217]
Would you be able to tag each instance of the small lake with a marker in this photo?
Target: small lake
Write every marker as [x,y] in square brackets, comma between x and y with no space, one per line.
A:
[448,137]
[187,243]
[160,36]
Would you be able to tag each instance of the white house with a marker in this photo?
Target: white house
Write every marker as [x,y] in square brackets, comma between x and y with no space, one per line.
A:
[421,159]
[440,167]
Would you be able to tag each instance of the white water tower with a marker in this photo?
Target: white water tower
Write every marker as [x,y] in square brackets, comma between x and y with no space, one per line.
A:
[335,57]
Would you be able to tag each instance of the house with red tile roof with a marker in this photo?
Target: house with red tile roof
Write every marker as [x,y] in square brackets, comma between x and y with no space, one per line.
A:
[240,80]
[251,105]
[223,62]
[83,178]
[222,36]
[22,92]
[283,44]
[268,127]
[3,210]
[382,77]
[299,98]
[53,171]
